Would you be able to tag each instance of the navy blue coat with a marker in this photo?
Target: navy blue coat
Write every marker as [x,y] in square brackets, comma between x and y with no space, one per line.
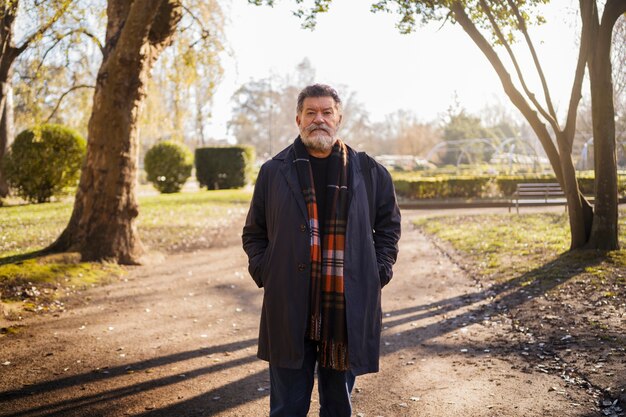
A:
[276,238]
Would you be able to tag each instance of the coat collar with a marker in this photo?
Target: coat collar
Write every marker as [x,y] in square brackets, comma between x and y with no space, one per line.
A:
[288,169]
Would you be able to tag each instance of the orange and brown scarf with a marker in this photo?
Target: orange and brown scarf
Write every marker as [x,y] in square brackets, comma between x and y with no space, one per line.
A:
[327,323]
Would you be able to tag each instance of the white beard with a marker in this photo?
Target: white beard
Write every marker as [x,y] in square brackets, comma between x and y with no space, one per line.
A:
[319,142]
[316,140]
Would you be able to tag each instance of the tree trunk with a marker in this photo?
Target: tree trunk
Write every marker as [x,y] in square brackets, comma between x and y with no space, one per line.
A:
[102,224]
[604,231]
[6,129]
[580,213]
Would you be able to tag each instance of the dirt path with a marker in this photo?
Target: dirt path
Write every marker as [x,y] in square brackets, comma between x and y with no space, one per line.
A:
[178,338]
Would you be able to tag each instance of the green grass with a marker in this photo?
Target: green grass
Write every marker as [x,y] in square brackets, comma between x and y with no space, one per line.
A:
[27,228]
[163,221]
[184,220]
[55,269]
[38,284]
[166,222]
[504,245]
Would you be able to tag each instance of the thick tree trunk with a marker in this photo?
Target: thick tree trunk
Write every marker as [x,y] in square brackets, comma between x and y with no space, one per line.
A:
[604,231]
[102,224]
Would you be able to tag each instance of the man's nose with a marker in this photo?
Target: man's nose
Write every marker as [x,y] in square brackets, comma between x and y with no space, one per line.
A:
[319,118]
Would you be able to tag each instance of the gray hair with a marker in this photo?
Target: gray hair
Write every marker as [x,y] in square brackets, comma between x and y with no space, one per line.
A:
[317,90]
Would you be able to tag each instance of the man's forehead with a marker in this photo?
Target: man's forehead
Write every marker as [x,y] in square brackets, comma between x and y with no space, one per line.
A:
[323,102]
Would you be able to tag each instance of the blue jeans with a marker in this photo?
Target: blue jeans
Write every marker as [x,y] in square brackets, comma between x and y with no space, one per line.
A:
[290,391]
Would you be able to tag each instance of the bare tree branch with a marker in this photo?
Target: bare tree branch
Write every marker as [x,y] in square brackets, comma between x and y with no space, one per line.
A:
[533,52]
[197,20]
[73,88]
[61,37]
[93,37]
[550,118]
[586,14]
[509,88]
[43,28]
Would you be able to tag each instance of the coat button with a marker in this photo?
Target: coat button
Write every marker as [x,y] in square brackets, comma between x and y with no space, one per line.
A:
[301,267]
[302,228]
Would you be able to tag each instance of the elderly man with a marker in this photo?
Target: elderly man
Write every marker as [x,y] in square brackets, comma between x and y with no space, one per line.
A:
[321,238]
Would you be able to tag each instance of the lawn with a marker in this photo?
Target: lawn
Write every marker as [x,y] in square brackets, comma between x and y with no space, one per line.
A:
[505,245]
[167,222]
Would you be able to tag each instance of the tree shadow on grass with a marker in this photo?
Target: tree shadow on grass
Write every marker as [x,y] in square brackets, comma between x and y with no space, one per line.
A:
[17,259]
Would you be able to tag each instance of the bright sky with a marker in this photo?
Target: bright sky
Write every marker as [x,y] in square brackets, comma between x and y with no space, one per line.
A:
[389,71]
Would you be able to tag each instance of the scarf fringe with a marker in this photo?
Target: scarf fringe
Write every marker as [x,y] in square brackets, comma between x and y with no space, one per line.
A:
[334,355]
[315,327]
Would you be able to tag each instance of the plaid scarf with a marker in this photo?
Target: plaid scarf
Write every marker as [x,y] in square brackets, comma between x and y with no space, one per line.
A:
[327,322]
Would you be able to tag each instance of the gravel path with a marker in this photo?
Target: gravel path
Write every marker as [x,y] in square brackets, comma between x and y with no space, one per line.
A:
[177,337]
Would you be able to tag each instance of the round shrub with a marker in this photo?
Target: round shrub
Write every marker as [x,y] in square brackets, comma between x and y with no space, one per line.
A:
[168,165]
[43,161]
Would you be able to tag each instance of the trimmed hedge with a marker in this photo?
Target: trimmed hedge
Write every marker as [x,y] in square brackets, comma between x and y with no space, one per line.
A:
[168,165]
[224,167]
[507,184]
[417,188]
[44,160]
[441,187]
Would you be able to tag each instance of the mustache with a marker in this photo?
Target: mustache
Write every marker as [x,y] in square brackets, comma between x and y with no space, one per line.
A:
[314,126]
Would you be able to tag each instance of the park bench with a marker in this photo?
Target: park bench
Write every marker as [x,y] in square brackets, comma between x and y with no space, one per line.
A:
[537,193]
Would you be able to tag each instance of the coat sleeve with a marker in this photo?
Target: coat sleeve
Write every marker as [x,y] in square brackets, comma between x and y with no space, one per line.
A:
[386,225]
[254,236]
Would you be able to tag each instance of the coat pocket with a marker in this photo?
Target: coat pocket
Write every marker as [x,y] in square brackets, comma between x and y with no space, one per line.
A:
[257,267]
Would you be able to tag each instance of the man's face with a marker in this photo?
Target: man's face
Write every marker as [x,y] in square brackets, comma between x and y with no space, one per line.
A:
[318,122]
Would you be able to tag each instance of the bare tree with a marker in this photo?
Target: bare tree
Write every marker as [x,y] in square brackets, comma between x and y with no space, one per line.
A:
[408,135]
[264,113]
[495,25]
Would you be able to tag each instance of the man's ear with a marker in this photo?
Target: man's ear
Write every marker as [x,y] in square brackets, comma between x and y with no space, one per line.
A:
[340,120]
[298,119]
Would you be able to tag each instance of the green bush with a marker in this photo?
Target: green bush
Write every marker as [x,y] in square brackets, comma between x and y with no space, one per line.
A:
[168,166]
[507,184]
[224,167]
[586,183]
[441,187]
[43,161]
[413,186]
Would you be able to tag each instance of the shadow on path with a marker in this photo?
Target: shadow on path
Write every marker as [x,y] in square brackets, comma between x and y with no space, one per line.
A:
[86,402]
[500,296]
[459,311]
